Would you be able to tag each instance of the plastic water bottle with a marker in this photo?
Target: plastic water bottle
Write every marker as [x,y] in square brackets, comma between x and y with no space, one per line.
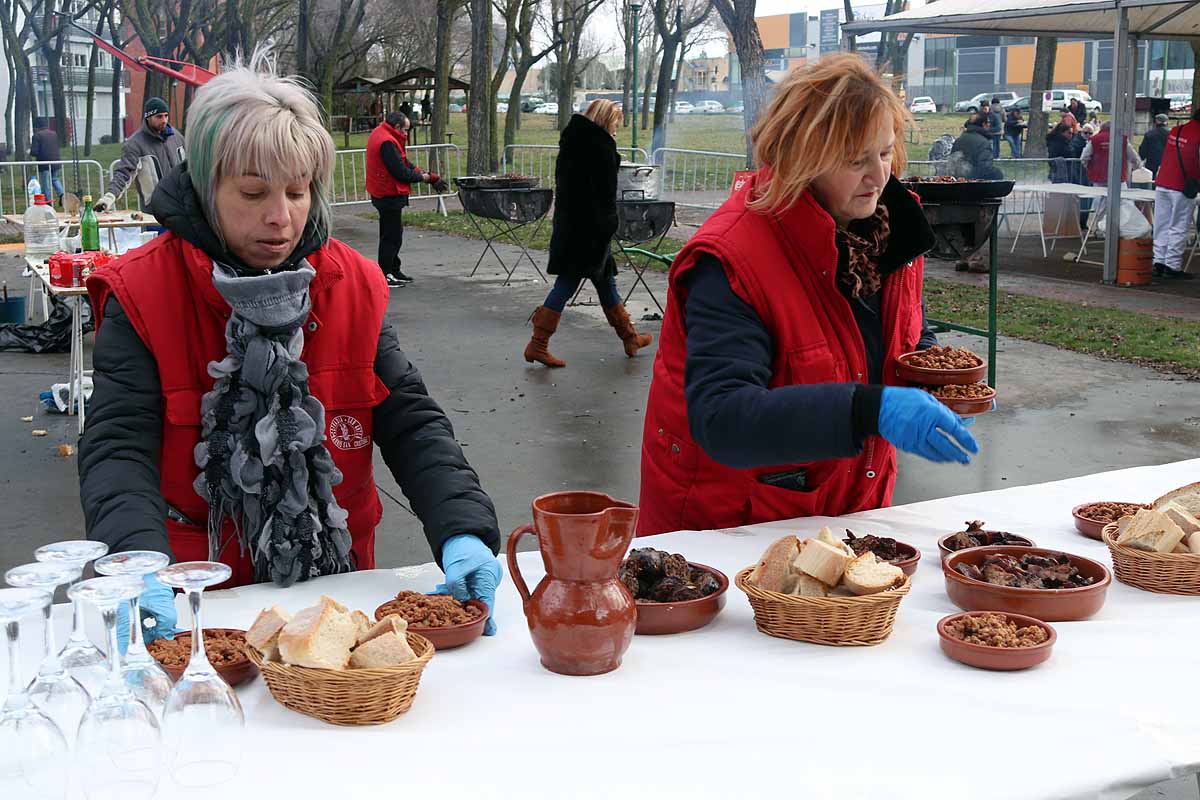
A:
[33,188]
[89,227]
[41,229]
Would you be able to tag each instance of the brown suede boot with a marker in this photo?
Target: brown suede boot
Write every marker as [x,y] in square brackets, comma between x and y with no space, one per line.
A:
[623,325]
[545,323]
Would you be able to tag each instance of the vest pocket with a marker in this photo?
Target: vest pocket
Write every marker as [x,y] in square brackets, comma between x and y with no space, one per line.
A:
[183,406]
[814,363]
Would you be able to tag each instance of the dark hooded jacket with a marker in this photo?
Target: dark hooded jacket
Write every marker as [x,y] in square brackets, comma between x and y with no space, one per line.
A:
[119,451]
[585,201]
[975,147]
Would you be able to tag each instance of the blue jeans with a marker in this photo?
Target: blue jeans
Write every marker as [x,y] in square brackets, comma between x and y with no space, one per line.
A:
[1014,143]
[565,287]
[995,147]
[45,176]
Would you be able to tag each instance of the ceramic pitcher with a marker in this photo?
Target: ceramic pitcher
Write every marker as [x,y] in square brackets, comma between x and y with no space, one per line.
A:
[580,616]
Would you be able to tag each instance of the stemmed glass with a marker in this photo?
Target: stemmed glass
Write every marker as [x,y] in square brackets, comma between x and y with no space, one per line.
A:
[203,722]
[32,748]
[119,746]
[59,695]
[79,656]
[149,681]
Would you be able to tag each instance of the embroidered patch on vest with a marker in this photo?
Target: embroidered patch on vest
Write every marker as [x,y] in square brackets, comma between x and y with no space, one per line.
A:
[347,433]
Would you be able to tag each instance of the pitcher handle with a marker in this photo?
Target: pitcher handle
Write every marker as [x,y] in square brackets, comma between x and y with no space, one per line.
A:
[513,570]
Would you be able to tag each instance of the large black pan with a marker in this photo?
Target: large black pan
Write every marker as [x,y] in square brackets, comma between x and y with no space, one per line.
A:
[959,191]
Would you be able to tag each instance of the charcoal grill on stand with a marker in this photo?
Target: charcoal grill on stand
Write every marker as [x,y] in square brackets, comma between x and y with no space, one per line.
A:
[498,214]
[639,222]
[963,217]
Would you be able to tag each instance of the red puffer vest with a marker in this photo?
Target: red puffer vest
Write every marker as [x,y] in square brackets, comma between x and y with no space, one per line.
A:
[380,182]
[1098,167]
[166,290]
[1182,147]
[784,267]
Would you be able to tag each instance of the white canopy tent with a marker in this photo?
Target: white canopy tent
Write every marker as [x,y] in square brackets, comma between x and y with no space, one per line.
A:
[1124,21]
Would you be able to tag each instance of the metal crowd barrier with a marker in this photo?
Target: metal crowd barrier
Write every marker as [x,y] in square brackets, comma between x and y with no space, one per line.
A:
[538,160]
[697,178]
[15,175]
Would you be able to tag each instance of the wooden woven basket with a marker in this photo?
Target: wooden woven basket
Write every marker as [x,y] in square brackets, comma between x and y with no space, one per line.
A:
[838,621]
[1164,573]
[350,696]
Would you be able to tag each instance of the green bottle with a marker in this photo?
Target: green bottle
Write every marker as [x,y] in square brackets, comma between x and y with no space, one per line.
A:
[89,227]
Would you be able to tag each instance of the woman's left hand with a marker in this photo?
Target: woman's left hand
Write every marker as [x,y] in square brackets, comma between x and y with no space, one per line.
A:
[472,572]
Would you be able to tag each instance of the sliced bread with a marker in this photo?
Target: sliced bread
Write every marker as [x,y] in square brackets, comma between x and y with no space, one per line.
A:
[808,586]
[385,650]
[1149,530]
[362,623]
[828,538]
[823,561]
[774,572]
[868,575]
[326,600]
[1193,543]
[1181,516]
[392,623]
[1188,497]
[263,635]
[318,637]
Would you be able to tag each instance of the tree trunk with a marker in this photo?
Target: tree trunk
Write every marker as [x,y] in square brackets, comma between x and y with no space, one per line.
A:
[91,97]
[441,80]
[1195,72]
[479,146]
[679,65]
[10,98]
[1044,54]
[20,85]
[671,39]
[302,11]
[747,43]
[512,120]
[850,42]
[627,76]
[650,62]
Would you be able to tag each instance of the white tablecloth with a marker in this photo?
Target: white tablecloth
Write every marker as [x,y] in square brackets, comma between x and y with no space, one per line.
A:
[728,712]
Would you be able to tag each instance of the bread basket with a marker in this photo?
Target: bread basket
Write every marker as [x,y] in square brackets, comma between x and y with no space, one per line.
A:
[838,621]
[350,696]
[1164,573]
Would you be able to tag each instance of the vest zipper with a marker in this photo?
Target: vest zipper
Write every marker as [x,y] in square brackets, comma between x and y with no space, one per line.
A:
[871,473]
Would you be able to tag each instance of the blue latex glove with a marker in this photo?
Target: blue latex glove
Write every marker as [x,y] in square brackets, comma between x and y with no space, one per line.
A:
[159,601]
[914,421]
[471,572]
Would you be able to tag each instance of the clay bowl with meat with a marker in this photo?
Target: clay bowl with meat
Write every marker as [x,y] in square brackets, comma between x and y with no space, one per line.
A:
[225,648]
[991,539]
[998,658]
[967,406]
[1048,605]
[446,637]
[1090,518]
[906,556]
[655,619]
[929,376]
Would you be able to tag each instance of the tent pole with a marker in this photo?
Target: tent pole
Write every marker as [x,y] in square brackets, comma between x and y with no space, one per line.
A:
[1116,150]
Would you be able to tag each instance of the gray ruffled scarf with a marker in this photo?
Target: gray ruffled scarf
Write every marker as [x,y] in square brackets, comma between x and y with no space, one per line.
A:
[262,456]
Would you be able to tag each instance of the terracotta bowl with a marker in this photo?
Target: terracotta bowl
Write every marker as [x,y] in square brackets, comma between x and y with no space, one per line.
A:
[1050,605]
[659,618]
[938,377]
[945,551]
[450,636]
[1087,526]
[1001,658]
[908,562]
[236,673]
[969,408]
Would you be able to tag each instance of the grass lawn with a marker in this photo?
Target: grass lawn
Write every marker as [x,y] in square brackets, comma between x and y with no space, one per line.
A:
[1162,343]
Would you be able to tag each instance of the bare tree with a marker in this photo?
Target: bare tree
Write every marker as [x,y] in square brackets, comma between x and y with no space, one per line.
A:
[161,28]
[653,50]
[18,46]
[1195,43]
[93,57]
[625,27]
[1044,55]
[673,19]
[738,16]
[446,12]
[892,53]
[525,56]
[570,18]
[849,40]
[479,127]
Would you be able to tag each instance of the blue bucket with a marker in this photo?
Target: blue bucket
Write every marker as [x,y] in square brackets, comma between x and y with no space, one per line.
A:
[12,309]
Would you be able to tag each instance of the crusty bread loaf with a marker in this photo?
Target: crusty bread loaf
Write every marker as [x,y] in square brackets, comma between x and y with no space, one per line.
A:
[319,637]
[264,633]
[1193,543]
[774,572]
[329,601]
[828,538]
[1181,516]
[808,586]
[392,623]
[1188,497]
[385,650]
[362,623]
[823,561]
[1149,530]
[868,575]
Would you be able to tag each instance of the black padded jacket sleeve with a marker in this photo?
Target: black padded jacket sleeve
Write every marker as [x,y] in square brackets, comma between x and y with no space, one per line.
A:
[418,445]
[398,165]
[119,451]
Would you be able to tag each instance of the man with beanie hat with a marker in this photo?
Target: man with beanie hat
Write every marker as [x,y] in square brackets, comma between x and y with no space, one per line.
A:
[1154,144]
[156,147]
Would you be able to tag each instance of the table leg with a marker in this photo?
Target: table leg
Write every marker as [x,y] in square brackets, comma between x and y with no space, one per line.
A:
[992,282]
[640,279]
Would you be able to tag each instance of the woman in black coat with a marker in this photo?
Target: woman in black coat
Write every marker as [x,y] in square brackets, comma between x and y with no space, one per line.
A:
[585,220]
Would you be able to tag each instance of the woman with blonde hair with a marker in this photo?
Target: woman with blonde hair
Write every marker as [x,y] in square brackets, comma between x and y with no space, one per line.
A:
[585,220]
[244,369]
[774,392]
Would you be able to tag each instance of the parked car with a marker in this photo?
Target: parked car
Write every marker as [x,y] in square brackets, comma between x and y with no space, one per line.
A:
[736,108]
[1020,104]
[1179,101]
[502,108]
[972,105]
[530,104]
[709,107]
[546,108]
[684,107]
[1088,102]
[455,108]
[923,105]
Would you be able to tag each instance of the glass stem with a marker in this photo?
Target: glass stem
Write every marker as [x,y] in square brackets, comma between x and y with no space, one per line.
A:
[50,663]
[199,659]
[16,693]
[77,632]
[135,627]
[116,682]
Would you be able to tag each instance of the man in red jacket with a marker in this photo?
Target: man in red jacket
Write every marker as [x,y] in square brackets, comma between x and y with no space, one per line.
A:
[1172,208]
[390,176]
